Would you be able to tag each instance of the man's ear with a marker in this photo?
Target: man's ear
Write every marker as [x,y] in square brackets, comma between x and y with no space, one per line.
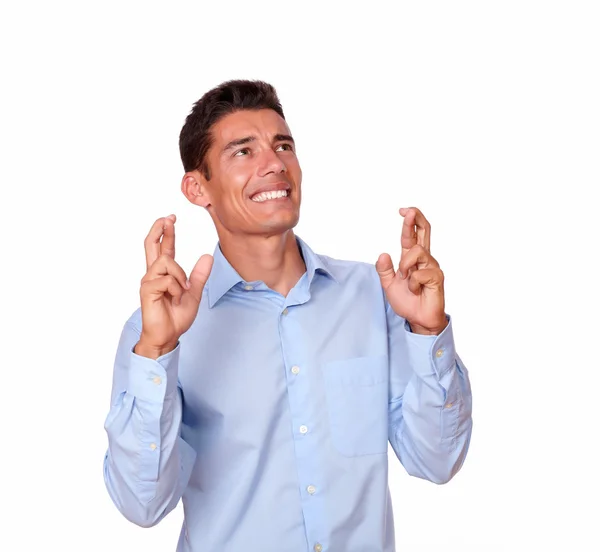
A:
[193,186]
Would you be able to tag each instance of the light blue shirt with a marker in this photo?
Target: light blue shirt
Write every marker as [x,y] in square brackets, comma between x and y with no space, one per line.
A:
[271,418]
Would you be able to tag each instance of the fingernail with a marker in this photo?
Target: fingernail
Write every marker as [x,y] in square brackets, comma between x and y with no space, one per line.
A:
[188,284]
[401,277]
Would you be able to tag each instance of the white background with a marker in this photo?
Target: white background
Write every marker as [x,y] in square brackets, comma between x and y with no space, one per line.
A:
[483,114]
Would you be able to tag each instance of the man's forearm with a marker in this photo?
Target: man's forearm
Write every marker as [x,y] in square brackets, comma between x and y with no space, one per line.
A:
[143,465]
[430,401]
[147,464]
[430,428]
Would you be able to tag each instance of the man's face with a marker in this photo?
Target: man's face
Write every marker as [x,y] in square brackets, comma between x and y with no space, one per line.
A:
[253,153]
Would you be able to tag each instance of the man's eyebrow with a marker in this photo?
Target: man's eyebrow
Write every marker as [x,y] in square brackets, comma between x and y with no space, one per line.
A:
[239,142]
[283,138]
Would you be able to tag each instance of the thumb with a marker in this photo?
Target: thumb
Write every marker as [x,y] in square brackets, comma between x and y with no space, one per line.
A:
[385,269]
[199,276]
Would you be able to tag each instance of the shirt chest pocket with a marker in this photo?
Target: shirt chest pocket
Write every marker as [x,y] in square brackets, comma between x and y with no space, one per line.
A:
[357,404]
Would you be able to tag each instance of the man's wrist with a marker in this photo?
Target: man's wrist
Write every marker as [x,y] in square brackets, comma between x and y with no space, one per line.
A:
[153,352]
[422,330]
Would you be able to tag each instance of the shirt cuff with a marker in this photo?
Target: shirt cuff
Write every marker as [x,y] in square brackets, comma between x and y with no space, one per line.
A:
[429,353]
[153,380]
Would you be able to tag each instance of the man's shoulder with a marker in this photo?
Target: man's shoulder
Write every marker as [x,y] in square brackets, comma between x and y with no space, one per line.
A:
[345,269]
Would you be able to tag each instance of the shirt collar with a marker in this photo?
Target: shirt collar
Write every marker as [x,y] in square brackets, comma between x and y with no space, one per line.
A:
[223,276]
[314,263]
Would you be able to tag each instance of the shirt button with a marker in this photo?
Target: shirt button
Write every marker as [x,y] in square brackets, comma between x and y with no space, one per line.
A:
[303,429]
[439,353]
[318,548]
[157,380]
[311,489]
[248,288]
[153,446]
[295,370]
[285,311]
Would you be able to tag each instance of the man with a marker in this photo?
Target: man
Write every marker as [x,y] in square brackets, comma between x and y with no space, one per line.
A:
[263,390]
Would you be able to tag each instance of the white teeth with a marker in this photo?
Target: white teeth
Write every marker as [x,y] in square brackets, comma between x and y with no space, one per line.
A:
[269,195]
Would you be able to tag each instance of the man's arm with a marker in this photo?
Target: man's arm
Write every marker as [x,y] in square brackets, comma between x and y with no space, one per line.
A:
[148,464]
[429,403]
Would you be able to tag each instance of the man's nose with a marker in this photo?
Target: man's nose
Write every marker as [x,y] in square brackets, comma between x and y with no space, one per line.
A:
[270,162]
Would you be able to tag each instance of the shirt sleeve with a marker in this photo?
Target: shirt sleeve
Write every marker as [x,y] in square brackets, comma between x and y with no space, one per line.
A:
[147,465]
[430,401]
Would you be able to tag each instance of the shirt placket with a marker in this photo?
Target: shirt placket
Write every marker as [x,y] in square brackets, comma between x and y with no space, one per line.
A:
[298,373]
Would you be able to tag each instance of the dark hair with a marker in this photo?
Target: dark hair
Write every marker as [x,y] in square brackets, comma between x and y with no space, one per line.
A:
[195,138]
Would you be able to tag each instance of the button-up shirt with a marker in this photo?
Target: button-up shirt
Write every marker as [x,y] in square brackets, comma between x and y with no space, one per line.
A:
[271,418]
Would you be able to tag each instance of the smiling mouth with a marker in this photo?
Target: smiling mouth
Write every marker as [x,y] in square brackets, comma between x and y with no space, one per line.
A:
[267,196]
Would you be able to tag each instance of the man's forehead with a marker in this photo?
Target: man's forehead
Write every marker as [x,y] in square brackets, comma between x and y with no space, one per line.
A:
[260,123]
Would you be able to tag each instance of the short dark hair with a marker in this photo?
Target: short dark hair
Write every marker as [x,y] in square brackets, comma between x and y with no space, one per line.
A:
[195,138]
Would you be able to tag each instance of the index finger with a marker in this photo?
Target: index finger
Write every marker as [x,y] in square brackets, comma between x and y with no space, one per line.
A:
[167,245]
[152,243]
[410,237]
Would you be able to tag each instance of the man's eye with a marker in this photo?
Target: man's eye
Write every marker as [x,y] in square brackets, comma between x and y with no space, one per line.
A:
[287,146]
[237,153]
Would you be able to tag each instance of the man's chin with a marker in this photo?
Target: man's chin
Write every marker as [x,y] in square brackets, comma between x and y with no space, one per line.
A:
[280,225]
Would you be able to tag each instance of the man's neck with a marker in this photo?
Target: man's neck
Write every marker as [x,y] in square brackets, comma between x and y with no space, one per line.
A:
[276,260]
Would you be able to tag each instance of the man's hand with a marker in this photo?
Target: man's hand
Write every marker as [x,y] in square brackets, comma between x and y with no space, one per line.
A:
[416,290]
[169,302]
